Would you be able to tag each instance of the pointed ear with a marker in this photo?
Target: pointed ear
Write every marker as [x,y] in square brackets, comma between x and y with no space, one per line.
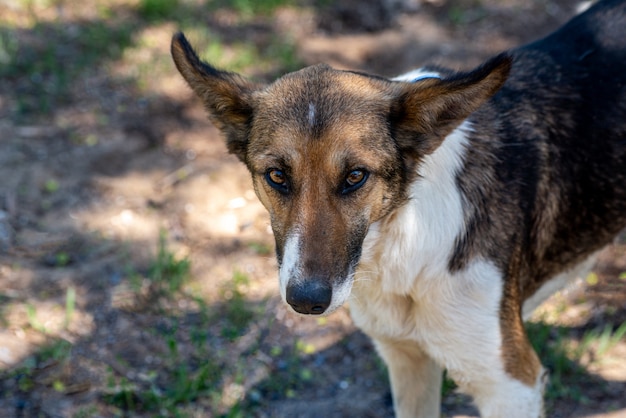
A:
[423,113]
[227,96]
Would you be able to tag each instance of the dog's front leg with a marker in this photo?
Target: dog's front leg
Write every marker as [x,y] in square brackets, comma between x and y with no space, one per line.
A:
[415,379]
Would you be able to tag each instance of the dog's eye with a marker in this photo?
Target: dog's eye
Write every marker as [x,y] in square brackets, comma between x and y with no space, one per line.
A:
[277,179]
[354,180]
[355,177]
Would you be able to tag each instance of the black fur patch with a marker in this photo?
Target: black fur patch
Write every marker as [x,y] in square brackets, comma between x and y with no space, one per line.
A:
[545,175]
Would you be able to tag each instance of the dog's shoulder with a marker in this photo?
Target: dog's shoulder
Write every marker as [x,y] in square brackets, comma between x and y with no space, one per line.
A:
[550,149]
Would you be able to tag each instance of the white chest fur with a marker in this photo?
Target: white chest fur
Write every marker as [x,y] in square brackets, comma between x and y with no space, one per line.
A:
[403,289]
[418,240]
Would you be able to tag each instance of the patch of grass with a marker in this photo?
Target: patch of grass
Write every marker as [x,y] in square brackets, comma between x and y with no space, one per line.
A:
[157,9]
[25,376]
[235,57]
[456,15]
[8,48]
[192,372]
[304,348]
[555,352]
[592,279]
[190,368]
[599,340]
[464,15]
[287,378]
[51,186]
[86,412]
[60,259]
[250,8]
[120,392]
[283,53]
[199,331]
[58,350]
[33,322]
[564,358]
[236,310]
[447,385]
[261,248]
[168,273]
[44,66]
[182,379]
[275,57]
[70,307]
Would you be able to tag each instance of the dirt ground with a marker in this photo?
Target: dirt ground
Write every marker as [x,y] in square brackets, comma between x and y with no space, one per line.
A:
[93,173]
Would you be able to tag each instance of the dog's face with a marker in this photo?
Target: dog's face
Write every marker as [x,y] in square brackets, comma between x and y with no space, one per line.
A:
[331,152]
[325,166]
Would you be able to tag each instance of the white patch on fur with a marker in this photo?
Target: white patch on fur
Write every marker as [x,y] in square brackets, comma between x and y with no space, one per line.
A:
[406,259]
[583,6]
[416,75]
[556,283]
[512,399]
[311,115]
[403,290]
[460,308]
[454,318]
[291,271]
[422,235]
[341,293]
[290,266]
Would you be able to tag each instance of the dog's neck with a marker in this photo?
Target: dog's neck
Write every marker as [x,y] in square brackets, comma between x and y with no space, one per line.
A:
[418,239]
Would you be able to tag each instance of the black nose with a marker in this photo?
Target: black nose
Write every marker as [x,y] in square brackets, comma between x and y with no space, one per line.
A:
[310,297]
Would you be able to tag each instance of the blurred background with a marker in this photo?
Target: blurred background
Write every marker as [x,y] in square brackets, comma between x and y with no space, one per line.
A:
[137,270]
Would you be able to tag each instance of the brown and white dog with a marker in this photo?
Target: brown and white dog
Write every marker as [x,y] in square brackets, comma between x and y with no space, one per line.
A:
[445,206]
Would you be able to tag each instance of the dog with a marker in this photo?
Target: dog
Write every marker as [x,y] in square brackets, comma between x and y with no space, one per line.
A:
[444,205]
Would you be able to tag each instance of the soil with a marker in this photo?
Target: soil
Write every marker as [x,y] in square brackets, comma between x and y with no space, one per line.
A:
[91,182]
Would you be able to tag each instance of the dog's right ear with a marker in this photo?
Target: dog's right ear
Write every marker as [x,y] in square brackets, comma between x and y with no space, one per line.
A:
[227,96]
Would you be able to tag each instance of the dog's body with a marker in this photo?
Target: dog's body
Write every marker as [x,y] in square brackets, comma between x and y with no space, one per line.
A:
[445,205]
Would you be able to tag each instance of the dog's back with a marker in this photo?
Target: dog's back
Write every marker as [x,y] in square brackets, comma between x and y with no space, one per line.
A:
[559,164]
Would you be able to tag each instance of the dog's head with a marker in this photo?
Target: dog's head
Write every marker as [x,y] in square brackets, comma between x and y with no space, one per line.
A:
[331,152]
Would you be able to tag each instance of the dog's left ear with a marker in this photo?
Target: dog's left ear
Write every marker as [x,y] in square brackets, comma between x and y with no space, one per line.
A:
[227,96]
[423,113]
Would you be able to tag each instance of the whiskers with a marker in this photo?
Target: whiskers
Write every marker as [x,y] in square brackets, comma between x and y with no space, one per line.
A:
[364,276]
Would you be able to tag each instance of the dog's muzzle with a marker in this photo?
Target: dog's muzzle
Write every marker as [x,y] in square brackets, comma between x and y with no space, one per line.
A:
[310,297]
